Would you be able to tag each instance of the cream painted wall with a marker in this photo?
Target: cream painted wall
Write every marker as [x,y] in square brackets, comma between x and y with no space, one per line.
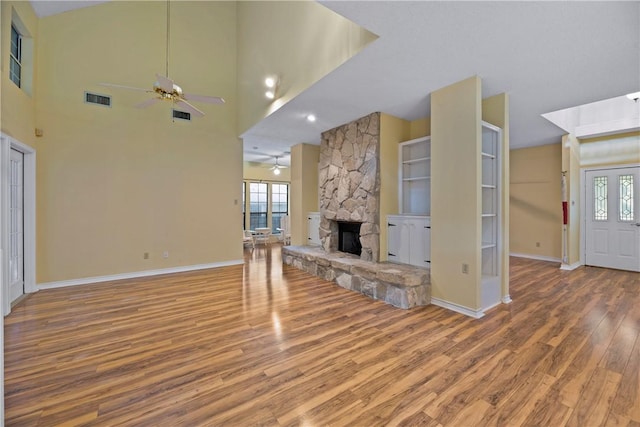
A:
[455,207]
[300,42]
[610,150]
[114,183]
[392,131]
[419,128]
[304,189]
[536,212]
[17,110]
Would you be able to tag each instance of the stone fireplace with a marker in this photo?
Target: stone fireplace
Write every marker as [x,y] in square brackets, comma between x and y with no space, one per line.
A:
[349,181]
[349,193]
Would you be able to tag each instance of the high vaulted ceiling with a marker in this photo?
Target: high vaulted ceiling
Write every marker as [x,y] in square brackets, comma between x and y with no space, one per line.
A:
[547,56]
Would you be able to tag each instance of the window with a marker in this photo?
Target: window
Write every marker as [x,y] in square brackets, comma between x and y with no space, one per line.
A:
[600,198]
[258,205]
[626,198]
[267,203]
[15,66]
[279,204]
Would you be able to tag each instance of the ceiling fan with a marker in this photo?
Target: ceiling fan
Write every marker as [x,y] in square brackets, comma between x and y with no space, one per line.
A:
[276,168]
[167,90]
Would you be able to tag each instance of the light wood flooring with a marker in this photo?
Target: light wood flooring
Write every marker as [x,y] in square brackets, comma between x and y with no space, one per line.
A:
[260,344]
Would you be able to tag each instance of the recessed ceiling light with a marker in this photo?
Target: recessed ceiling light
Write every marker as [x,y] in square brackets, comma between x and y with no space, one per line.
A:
[270,94]
[270,82]
[311,118]
[633,96]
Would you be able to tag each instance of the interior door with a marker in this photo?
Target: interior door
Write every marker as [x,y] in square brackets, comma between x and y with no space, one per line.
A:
[613,218]
[16,226]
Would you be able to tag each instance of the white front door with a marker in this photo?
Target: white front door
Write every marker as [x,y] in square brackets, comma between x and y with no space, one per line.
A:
[16,226]
[613,218]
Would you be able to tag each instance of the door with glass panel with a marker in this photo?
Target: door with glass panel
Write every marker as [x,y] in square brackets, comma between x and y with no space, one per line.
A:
[16,226]
[612,232]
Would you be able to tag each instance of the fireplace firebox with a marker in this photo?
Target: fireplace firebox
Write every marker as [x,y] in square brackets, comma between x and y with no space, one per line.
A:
[349,237]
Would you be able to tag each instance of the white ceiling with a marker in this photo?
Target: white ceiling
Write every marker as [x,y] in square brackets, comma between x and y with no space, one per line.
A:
[548,56]
[52,7]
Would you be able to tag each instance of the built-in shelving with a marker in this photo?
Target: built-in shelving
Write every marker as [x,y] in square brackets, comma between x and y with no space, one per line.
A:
[490,214]
[415,176]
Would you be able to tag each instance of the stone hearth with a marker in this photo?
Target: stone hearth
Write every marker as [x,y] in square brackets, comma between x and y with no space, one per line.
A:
[400,285]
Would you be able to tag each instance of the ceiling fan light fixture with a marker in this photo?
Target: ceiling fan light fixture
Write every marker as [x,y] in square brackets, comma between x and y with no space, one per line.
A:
[270,94]
[276,171]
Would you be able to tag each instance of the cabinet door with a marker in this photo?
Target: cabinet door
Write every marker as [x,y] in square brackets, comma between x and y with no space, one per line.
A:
[427,245]
[417,242]
[405,242]
[393,240]
[314,229]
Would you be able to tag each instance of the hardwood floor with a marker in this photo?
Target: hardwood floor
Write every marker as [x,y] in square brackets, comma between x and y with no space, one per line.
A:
[260,344]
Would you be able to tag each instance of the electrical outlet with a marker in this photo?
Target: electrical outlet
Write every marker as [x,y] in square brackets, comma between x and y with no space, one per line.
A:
[145,255]
[465,268]
[165,254]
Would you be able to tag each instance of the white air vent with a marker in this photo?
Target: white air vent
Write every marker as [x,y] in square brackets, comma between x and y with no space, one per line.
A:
[94,98]
[182,115]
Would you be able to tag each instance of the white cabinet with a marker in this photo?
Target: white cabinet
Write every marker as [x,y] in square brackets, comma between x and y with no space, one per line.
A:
[313,228]
[415,176]
[491,251]
[409,239]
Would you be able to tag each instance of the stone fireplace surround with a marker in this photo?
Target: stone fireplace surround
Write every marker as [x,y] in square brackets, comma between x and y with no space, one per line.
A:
[349,191]
[349,183]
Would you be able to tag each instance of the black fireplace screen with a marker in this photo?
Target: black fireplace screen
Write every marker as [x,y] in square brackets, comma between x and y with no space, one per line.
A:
[349,237]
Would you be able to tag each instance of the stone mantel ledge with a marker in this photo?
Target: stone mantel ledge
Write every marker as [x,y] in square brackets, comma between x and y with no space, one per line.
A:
[400,285]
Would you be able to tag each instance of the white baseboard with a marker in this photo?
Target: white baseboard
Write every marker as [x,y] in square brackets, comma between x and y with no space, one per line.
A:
[537,257]
[570,267]
[135,274]
[476,314]
[507,299]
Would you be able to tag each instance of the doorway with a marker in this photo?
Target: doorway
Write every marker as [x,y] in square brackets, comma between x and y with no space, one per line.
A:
[612,218]
[17,220]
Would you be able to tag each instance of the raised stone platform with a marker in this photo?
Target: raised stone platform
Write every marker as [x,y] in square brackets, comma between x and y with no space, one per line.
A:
[400,285]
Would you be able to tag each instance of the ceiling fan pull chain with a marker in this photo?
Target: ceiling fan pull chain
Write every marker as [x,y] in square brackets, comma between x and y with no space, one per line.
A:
[168,35]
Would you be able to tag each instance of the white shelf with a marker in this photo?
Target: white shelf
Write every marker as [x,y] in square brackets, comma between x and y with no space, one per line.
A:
[488,155]
[489,186]
[421,159]
[414,162]
[489,215]
[487,245]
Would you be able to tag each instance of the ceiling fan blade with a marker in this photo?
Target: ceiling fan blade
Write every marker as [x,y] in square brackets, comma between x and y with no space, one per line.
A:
[185,106]
[203,98]
[124,87]
[165,83]
[148,103]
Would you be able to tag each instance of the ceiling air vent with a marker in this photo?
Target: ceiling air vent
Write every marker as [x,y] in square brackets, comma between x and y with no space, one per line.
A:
[94,98]
[182,115]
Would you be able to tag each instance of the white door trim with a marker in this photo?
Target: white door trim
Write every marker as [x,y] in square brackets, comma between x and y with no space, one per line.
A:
[29,164]
[583,203]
